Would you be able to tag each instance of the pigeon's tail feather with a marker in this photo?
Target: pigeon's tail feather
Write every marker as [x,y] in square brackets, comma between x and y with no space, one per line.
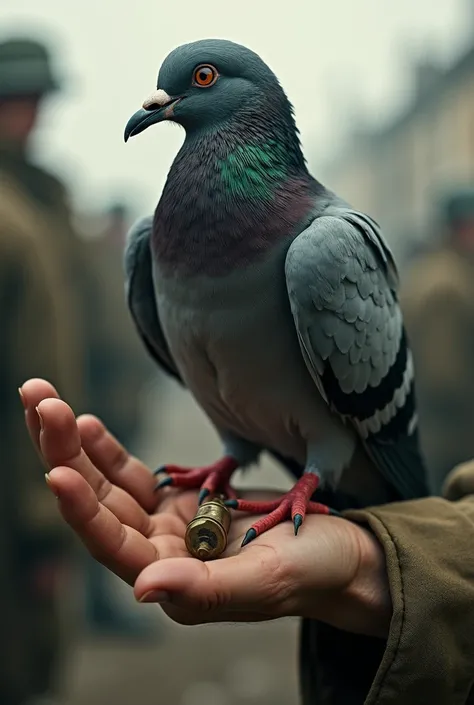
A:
[402,464]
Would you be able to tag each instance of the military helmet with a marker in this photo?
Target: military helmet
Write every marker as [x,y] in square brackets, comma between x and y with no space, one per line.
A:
[25,69]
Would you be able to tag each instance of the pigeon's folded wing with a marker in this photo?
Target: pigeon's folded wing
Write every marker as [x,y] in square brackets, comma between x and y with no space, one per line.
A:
[141,295]
[341,283]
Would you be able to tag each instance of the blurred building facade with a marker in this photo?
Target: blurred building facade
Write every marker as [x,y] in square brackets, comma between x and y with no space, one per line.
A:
[396,172]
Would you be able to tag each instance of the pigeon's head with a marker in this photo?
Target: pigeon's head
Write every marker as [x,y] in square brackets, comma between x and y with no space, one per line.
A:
[205,84]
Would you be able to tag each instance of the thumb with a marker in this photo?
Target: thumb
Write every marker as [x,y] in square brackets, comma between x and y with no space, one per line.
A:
[252,580]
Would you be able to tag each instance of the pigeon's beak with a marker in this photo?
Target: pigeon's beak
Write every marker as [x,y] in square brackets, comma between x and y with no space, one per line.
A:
[156,108]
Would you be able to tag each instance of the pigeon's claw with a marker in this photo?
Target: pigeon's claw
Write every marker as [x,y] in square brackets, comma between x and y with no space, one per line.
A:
[295,504]
[209,479]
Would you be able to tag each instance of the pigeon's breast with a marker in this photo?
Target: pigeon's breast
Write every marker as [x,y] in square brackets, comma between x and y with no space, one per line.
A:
[202,230]
[234,342]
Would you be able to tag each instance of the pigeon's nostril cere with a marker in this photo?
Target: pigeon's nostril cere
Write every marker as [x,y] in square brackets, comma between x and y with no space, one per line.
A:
[152,106]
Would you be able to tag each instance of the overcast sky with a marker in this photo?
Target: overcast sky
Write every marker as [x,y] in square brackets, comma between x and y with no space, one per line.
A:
[330,57]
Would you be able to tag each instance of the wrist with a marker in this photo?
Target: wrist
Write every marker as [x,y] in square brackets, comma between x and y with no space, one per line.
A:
[346,585]
[367,601]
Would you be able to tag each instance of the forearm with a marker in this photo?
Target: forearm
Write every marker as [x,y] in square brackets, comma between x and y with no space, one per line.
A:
[428,553]
[418,556]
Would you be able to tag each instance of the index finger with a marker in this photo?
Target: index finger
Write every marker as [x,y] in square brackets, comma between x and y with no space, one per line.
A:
[32,392]
[121,548]
[115,462]
[104,451]
[61,445]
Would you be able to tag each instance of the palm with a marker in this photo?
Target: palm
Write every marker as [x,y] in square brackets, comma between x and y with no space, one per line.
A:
[109,499]
[177,509]
[274,556]
[333,538]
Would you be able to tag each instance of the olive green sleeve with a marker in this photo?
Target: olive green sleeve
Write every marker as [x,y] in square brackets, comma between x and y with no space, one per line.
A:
[428,546]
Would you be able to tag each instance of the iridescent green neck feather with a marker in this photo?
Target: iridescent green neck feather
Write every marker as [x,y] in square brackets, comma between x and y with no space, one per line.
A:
[254,171]
[233,192]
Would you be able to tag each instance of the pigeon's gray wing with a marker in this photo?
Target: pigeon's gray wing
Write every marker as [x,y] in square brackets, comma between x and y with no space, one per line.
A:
[342,283]
[141,295]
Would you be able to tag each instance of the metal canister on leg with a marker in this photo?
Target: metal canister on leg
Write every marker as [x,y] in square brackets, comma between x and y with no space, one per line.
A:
[206,534]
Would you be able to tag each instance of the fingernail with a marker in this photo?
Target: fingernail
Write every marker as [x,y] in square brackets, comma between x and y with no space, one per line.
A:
[23,400]
[160,596]
[51,486]
[40,419]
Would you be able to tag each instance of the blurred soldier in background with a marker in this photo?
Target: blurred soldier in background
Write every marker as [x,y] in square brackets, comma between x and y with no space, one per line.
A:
[438,302]
[118,369]
[40,323]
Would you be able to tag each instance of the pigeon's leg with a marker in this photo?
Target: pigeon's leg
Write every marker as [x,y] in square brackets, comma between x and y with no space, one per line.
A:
[295,504]
[213,478]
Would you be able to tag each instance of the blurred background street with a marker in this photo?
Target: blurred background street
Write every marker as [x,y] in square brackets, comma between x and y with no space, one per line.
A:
[384,99]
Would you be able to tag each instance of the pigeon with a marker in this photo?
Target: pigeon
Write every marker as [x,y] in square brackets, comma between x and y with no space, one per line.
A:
[271,299]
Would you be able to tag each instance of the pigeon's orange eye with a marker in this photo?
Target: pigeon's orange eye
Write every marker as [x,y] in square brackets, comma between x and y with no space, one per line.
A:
[205,76]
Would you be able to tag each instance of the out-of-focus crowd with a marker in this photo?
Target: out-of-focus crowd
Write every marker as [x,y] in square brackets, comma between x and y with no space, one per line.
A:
[438,305]
[63,316]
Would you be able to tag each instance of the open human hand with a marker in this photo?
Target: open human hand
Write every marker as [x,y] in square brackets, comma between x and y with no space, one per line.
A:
[333,570]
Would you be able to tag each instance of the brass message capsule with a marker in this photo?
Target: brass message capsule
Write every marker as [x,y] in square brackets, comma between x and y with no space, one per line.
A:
[206,534]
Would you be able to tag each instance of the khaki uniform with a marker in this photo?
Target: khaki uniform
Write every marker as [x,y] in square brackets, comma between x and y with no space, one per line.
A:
[428,658]
[438,305]
[40,336]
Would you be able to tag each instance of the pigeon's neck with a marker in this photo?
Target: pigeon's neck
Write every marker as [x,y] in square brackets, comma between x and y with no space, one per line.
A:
[228,200]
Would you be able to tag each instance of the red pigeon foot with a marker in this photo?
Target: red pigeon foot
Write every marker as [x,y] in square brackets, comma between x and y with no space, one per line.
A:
[295,504]
[210,479]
